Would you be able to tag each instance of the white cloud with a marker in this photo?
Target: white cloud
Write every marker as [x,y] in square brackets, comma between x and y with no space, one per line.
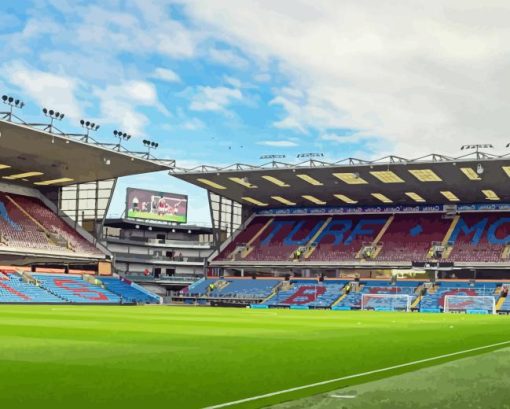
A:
[330,137]
[165,74]
[119,103]
[146,30]
[345,139]
[20,42]
[214,99]
[227,58]
[425,77]
[279,144]
[47,90]
[192,124]
[262,77]
[234,82]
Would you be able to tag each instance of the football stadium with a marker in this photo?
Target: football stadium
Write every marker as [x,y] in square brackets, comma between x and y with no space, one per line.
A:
[319,280]
[349,278]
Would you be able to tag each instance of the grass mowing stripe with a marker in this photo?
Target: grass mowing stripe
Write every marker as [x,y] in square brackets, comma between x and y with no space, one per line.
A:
[344,378]
[198,357]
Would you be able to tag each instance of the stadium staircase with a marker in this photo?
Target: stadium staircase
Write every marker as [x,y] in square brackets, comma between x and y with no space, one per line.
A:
[505,254]
[312,245]
[128,292]
[505,304]
[197,284]
[376,246]
[448,235]
[482,247]
[419,296]
[27,277]
[249,245]
[282,285]
[339,300]
[500,302]
[28,217]
[53,236]
[416,302]
[265,300]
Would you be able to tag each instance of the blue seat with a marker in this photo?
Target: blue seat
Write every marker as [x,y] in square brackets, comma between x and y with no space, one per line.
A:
[76,290]
[15,290]
[127,292]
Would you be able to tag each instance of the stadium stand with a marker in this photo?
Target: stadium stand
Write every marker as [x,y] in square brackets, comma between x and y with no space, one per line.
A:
[336,238]
[61,289]
[480,237]
[344,237]
[127,292]
[14,290]
[419,232]
[283,237]
[353,299]
[308,294]
[470,237]
[76,290]
[26,222]
[504,304]
[433,301]
[199,288]
[243,239]
[343,294]
[232,288]
[245,288]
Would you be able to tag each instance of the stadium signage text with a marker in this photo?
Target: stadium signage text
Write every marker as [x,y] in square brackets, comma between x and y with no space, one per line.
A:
[348,230]
[481,207]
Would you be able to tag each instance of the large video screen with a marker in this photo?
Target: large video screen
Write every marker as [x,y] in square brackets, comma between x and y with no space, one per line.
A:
[153,205]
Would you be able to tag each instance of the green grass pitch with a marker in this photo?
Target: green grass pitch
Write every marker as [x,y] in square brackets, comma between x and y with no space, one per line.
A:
[186,357]
[154,216]
[479,381]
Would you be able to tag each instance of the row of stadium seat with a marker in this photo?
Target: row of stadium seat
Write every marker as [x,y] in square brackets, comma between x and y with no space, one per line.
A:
[15,290]
[331,293]
[26,223]
[60,288]
[233,288]
[436,300]
[128,293]
[480,237]
[354,299]
[315,296]
[76,290]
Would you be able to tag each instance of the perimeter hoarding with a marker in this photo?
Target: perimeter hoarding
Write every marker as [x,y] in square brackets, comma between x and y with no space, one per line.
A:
[154,205]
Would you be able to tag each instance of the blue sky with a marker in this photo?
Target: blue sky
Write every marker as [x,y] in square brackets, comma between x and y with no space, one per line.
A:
[218,82]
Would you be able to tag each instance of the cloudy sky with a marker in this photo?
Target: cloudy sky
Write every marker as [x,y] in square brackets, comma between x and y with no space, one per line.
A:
[223,81]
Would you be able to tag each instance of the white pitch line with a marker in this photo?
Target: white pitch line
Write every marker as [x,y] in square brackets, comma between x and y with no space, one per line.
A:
[343,396]
[343,378]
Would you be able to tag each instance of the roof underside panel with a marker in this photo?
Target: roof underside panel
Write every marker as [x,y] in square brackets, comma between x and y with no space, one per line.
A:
[35,158]
[328,184]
